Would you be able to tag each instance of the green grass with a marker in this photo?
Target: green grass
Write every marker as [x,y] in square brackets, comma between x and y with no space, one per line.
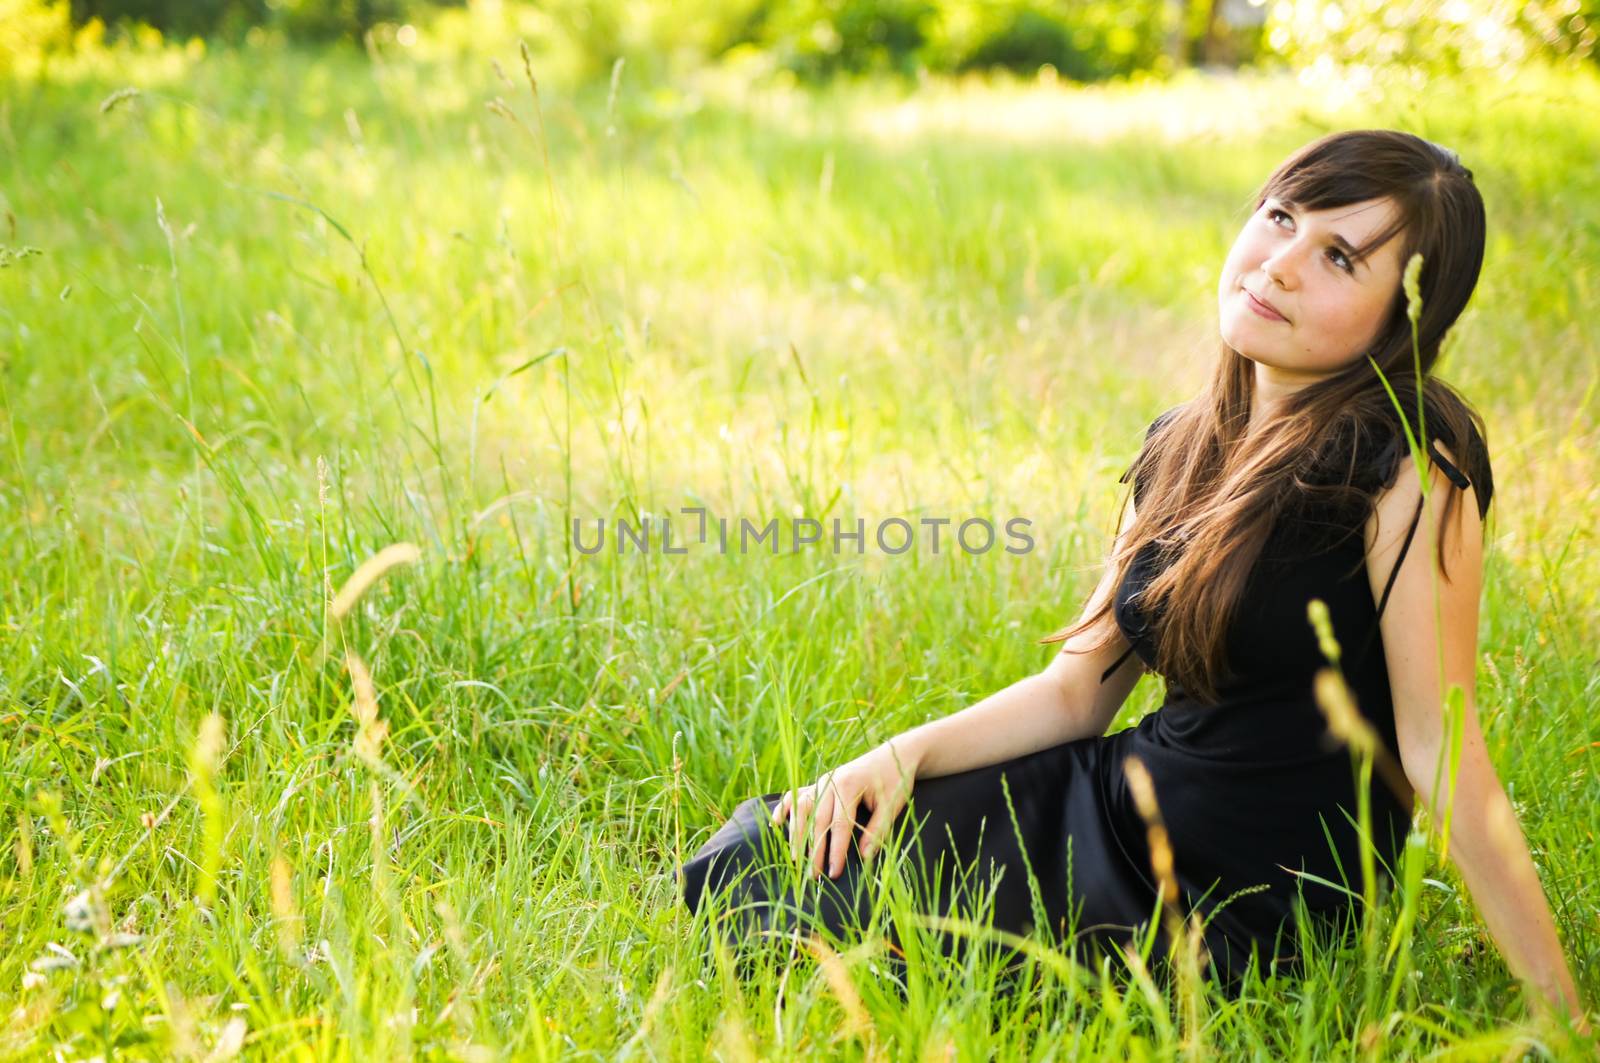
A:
[966,303]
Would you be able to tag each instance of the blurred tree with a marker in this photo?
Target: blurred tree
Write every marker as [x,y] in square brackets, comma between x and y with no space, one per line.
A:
[1460,35]
[1233,32]
[177,18]
[328,19]
[1028,40]
[1084,40]
[820,37]
[301,19]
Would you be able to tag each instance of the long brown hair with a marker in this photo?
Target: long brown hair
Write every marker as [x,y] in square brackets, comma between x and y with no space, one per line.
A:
[1209,502]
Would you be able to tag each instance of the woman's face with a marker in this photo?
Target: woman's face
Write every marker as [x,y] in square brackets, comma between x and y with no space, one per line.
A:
[1332,305]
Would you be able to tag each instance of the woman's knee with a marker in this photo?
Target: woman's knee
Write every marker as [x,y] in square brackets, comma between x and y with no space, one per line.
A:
[744,839]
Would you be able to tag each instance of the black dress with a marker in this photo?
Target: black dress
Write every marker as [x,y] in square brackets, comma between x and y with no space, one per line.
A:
[1251,789]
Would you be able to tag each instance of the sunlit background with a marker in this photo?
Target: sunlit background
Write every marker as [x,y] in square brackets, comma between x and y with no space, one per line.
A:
[283,284]
[1078,42]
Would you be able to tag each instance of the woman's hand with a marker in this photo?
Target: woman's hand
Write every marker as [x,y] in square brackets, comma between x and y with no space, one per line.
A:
[881,779]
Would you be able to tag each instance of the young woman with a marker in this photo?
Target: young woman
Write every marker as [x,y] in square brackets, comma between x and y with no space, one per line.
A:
[1288,479]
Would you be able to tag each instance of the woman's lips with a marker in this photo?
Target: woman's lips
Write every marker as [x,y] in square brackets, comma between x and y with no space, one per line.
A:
[1262,308]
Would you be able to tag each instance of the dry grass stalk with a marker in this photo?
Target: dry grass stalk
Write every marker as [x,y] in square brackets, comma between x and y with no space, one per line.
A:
[370,571]
[121,96]
[370,731]
[857,1023]
[1144,798]
[205,763]
[939,1048]
[732,1039]
[283,909]
[1346,723]
[652,1009]
[1186,940]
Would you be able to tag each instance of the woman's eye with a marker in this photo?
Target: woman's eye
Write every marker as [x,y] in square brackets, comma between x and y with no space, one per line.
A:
[1344,262]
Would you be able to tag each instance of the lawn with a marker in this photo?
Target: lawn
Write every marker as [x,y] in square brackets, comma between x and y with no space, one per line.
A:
[273,311]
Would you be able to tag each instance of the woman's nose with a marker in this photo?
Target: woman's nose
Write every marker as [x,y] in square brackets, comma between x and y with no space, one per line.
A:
[1276,272]
[1283,267]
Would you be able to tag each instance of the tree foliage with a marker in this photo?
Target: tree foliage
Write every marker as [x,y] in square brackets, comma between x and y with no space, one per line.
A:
[1087,40]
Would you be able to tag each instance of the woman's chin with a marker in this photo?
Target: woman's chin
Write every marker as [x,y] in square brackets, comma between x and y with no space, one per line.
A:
[1239,341]
[1250,353]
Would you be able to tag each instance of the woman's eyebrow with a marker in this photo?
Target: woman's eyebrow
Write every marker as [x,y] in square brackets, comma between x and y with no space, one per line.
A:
[1348,247]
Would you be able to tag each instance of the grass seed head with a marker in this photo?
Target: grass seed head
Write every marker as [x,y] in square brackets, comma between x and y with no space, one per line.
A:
[370,731]
[1339,706]
[281,888]
[1411,282]
[1322,624]
[369,572]
[116,99]
[857,1023]
[1144,798]
[206,756]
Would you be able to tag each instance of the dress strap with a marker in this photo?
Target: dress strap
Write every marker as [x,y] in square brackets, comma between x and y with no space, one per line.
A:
[1399,560]
[1453,474]
[1107,673]
[1460,481]
[1456,477]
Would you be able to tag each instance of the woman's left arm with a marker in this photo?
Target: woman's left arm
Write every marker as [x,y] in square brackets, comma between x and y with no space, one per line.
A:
[1485,840]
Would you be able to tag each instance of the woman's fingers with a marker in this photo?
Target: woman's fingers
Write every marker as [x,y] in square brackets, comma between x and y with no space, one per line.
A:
[820,811]
[844,822]
[780,810]
[819,830]
[826,811]
[882,816]
[800,809]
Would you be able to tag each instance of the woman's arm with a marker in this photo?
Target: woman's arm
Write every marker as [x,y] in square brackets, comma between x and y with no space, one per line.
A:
[1485,841]
[1063,702]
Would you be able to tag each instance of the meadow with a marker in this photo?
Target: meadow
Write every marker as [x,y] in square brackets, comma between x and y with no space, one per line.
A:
[265,313]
